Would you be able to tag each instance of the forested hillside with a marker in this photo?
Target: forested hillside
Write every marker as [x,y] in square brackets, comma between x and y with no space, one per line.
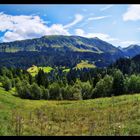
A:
[58,50]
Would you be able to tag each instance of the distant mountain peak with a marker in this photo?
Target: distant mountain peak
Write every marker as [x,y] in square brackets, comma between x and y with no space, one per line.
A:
[132,50]
[96,38]
[119,47]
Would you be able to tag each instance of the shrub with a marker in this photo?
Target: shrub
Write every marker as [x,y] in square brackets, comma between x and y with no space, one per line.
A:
[36,91]
[103,88]
[23,90]
[7,85]
[55,92]
[45,93]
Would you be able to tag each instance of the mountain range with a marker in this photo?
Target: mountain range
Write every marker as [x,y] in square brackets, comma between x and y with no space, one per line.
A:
[62,50]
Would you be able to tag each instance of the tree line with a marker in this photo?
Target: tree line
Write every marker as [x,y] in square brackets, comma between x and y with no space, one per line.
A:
[73,85]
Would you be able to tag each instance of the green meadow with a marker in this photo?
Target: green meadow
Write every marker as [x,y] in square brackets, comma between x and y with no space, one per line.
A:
[103,116]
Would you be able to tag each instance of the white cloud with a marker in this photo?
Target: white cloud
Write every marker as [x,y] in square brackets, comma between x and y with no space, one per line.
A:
[27,27]
[79,32]
[132,13]
[106,7]
[77,19]
[98,18]
[102,36]
[106,37]
[92,18]
[127,43]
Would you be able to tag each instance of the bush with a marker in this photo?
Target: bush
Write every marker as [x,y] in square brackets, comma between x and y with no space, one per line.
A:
[36,92]
[103,88]
[45,93]
[23,90]
[85,88]
[7,85]
[66,92]
[55,92]
[118,83]
[77,95]
[132,84]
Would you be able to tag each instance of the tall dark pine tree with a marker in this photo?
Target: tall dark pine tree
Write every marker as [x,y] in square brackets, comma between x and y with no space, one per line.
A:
[40,78]
[30,79]
[96,79]
[46,84]
[118,83]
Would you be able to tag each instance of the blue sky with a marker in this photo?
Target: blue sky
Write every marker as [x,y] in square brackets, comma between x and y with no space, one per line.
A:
[116,24]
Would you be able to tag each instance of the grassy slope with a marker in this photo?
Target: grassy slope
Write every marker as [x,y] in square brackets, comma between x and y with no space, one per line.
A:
[84,64]
[104,116]
[34,69]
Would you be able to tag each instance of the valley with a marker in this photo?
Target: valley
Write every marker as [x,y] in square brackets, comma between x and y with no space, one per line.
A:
[61,85]
[69,70]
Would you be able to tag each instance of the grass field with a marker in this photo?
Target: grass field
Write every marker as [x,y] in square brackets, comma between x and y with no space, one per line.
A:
[84,64]
[104,116]
[34,69]
[66,70]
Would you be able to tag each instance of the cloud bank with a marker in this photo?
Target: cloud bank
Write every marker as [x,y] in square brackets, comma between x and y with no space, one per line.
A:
[27,27]
[102,36]
[132,13]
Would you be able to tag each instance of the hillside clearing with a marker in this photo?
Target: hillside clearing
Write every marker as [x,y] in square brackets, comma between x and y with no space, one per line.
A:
[84,64]
[34,69]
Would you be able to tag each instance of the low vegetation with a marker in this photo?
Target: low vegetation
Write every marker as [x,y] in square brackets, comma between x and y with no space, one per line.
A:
[104,116]
[77,84]
[34,69]
[69,103]
[84,64]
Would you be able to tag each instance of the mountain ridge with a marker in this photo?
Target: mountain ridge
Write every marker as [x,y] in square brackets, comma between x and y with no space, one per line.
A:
[61,50]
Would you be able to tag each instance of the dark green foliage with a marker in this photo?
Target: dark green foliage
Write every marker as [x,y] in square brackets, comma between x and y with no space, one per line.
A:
[76,92]
[36,92]
[42,79]
[85,89]
[13,82]
[67,92]
[58,50]
[120,78]
[55,92]
[103,88]
[7,84]
[132,84]
[45,93]
[118,83]
[23,90]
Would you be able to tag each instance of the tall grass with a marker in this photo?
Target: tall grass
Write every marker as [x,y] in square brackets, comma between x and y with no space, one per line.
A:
[104,116]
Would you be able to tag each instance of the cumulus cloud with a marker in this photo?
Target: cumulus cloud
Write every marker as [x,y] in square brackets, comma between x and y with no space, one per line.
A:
[78,18]
[132,13]
[106,37]
[102,36]
[27,27]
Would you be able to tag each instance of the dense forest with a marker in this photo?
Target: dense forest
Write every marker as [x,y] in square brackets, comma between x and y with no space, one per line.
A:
[120,78]
[68,50]
[25,59]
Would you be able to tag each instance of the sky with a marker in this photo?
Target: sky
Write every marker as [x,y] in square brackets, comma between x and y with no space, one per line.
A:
[118,24]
